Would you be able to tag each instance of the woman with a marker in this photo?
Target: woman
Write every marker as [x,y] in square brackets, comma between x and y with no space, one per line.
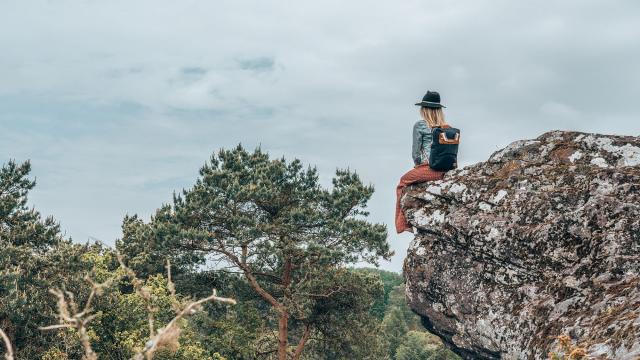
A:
[432,116]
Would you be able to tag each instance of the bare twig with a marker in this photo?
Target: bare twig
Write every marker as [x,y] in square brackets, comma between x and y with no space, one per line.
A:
[172,289]
[138,285]
[7,344]
[169,334]
[71,318]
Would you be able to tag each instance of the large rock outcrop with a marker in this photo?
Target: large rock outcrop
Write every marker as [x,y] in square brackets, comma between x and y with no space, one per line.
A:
[541,240]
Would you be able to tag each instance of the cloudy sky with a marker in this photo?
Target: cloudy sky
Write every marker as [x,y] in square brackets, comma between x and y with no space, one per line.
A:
[118,103]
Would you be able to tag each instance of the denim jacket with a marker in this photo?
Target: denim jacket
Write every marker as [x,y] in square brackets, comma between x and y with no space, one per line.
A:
[421,142]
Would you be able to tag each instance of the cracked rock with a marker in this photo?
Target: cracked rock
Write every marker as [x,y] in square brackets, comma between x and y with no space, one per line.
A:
[540,240]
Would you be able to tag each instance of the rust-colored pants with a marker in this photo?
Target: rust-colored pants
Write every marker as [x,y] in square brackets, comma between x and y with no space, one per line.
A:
[420,173]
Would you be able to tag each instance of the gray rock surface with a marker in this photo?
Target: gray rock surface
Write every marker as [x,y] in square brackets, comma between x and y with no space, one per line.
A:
[541,240]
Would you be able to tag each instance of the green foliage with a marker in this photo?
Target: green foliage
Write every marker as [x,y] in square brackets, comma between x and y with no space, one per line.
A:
[55,353]
[395,328]
[21,227]
[273,226]
[398,301]
[390,280]
[419,345]
[273,222]
[120,328]
[405,335]
[34,257]
[344,326]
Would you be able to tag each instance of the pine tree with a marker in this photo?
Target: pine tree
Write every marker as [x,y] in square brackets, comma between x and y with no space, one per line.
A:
[273,222]
[33,258]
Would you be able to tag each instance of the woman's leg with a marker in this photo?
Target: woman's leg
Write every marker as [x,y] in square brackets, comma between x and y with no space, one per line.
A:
[420,173]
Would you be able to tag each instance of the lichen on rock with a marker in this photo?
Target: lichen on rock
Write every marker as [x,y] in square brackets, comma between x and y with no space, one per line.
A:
[540,240]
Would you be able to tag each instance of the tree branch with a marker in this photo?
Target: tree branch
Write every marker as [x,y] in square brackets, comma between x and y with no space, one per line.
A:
[143,292]
[70,318]
[303,341]
[325,295]
[7,344]
[250,276]
[78,320]
[169,334]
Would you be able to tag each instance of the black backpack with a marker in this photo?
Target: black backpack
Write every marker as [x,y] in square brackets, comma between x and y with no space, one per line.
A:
[444,148]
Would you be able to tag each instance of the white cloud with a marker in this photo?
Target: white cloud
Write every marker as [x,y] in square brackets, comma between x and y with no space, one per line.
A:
[119,102]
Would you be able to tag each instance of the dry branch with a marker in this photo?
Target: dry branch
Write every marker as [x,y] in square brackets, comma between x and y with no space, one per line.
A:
[7,344]
[168,335]
[72,318]
[138,285]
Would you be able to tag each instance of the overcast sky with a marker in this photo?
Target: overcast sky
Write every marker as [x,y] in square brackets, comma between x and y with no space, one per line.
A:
[118,103]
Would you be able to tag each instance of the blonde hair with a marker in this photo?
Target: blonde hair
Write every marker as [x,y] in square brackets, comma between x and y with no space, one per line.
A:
[433,116]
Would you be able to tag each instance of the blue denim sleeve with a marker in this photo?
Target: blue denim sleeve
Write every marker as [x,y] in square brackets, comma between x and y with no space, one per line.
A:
[426,143]
[416,148]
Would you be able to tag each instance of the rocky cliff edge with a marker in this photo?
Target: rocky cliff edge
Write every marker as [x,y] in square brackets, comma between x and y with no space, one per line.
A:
[541,240]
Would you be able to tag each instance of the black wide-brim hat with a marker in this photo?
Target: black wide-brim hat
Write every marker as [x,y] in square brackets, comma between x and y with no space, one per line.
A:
[431,100]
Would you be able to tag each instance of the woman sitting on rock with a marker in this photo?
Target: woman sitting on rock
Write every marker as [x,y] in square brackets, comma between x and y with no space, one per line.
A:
[424,133]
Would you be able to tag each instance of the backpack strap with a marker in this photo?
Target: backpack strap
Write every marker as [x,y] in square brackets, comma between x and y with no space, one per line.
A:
[443,139]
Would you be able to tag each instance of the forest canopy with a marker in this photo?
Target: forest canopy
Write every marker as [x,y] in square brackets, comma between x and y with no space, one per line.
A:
[278,248]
